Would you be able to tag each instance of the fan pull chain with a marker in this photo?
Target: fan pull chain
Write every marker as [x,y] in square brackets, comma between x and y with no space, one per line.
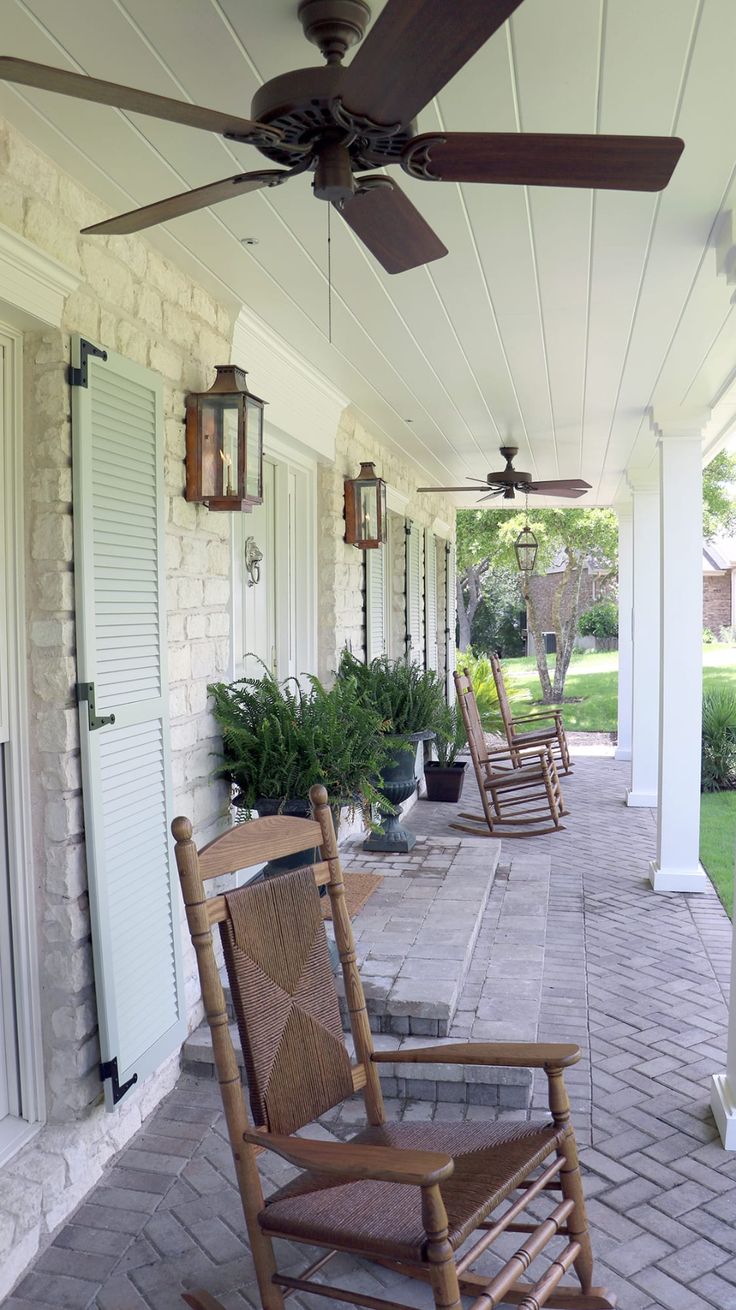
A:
[329,273]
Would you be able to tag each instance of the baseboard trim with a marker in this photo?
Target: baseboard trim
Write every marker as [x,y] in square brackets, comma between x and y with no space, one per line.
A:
[724,1110]
[622,753]
[678,880]
[641,799]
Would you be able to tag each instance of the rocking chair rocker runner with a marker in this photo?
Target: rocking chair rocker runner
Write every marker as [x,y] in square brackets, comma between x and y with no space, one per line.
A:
[405,1195]
[552,735]
[530,787]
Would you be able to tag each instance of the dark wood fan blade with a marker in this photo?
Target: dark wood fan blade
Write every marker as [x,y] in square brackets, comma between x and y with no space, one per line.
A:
[569,487]
[186,203]
[391,226]
[68,83]
[624,163]
[412,50]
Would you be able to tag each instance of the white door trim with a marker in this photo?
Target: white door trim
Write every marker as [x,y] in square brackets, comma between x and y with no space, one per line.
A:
[22,879]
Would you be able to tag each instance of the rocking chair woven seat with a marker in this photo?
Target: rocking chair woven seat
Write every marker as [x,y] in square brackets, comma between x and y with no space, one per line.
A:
[385,1219]
[405,1195]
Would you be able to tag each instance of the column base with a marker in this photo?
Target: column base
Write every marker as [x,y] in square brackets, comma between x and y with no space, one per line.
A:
[642,799]
[622,753]
[678,880]
[724,1110]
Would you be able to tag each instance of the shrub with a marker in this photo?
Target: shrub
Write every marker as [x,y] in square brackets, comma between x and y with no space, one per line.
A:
[708,637]
[278,739]
[406,698]
[600,620]
[449,736]
[718,766]
[481,676]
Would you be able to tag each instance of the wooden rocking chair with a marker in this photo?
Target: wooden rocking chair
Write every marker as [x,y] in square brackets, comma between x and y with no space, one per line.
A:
[530,787]
[553,735]
[406,1195]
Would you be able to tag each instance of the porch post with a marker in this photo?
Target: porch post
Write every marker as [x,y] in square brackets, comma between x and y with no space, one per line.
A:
[625,602]
[645,638]
[677,866]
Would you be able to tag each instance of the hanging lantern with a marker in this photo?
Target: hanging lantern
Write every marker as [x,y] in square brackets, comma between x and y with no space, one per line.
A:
[365,509]
[224,459]
[525,548]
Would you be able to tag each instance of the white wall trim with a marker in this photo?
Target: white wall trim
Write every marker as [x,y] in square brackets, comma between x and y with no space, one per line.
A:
[396,501]
[19,809]
[301,400]
[32,281]
[442,529]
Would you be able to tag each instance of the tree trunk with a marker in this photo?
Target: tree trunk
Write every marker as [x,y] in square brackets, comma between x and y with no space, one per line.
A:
[469,595]
[565,612]
[536,631]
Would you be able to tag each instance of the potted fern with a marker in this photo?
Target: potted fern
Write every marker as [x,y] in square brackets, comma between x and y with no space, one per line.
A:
[409,702]
[445,775]
[280,738]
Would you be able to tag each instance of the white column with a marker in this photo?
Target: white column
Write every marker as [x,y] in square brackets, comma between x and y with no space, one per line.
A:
[723,1085]
[677,866]
[645,639]
[625,603]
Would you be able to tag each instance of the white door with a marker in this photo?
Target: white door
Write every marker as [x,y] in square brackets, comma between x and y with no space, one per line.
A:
[9,1089]
[273,582]
[257,548]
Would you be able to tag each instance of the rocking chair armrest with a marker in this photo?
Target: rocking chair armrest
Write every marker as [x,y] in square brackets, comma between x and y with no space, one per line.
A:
[354,1160]
[523,1055]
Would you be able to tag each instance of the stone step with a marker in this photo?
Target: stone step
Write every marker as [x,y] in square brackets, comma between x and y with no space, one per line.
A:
[507,1089]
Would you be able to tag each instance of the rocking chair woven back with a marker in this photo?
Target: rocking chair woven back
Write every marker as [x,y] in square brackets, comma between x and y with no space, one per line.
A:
[285,1001]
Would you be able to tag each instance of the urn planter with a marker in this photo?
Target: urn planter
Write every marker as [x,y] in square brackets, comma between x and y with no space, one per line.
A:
[397,782]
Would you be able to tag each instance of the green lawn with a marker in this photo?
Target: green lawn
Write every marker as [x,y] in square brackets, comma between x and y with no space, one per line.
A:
[717,840]
[592,677]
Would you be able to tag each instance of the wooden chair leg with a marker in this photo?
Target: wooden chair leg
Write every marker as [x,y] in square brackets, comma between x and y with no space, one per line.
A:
[201,1301]
[440,1255]
[570,1180]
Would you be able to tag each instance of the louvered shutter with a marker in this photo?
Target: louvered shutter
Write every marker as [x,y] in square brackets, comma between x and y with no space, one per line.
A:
[414,597]
[430,601]
[375,603]
[450,620]
[126,775]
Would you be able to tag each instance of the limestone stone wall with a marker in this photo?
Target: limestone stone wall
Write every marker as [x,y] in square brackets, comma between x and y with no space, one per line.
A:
[341,567]
[132,301]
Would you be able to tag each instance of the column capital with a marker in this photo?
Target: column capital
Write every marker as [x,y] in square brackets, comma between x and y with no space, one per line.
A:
[683,423]
[623,508]
[643,479]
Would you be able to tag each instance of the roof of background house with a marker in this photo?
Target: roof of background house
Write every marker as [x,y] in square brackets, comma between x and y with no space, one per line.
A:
[719,555]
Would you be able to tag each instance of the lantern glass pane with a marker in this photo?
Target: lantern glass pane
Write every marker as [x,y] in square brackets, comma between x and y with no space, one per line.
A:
[383,510]
[367,510]
[254,446]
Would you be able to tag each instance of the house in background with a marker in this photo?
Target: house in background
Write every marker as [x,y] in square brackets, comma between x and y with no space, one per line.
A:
[596,584]
[719,584]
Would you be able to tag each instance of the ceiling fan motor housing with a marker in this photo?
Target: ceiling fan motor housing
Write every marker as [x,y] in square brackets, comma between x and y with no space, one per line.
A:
[334,25]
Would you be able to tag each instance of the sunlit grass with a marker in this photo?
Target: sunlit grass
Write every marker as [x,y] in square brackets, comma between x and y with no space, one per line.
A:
[717,841]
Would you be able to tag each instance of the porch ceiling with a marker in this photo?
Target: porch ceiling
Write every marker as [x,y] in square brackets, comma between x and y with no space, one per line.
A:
[557,318]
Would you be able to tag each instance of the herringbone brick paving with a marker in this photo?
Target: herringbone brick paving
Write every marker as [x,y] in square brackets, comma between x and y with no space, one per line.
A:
[639,980]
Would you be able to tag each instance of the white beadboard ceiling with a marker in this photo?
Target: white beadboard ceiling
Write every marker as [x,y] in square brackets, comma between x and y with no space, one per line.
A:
[558,317]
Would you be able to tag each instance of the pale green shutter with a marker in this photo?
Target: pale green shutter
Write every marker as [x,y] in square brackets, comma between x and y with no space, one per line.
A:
[450,619]
[126,772]
[375,603]
[430,601]
[414,578]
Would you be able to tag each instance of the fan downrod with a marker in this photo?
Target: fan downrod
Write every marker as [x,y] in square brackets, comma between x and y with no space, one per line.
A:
[334,25]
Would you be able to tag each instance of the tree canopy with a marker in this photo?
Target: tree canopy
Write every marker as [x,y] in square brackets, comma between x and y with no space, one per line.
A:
[719,506]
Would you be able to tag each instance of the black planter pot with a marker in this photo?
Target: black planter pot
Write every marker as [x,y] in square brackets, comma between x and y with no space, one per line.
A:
[444,781]
[397,783]
[296,809]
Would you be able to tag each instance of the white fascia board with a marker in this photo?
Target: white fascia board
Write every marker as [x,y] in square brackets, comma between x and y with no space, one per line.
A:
[32,282]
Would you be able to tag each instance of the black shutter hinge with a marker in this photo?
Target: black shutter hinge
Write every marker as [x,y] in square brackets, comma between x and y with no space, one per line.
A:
[86,692]
[109,1069]
[78,376]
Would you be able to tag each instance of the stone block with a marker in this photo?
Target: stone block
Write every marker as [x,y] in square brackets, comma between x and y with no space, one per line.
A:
[51,537]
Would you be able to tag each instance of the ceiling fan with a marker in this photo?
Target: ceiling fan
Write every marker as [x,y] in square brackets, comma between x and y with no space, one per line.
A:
[338,121]
[509,480]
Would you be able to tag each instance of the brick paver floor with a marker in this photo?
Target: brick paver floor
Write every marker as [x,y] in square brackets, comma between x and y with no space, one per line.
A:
[637,979]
